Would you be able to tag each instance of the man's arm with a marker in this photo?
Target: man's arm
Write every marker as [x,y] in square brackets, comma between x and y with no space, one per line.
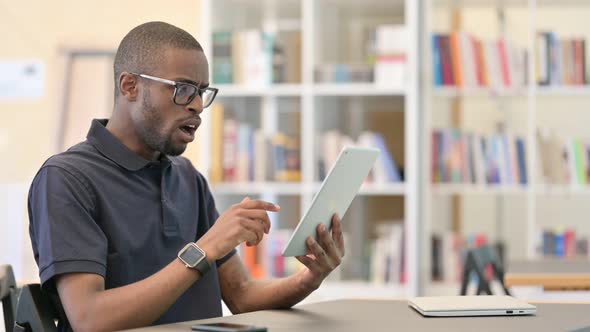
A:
[243,294]
[89,307]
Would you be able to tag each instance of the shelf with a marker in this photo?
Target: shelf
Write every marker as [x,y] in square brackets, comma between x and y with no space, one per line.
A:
[323,89]
[540,189]
[562,189]
[370,6]
[507,3]
[355,89]
[457,189]
[451,92]
[231,90]
[258,188]
[287,188]
[480,3]
[375,189]
[582,90]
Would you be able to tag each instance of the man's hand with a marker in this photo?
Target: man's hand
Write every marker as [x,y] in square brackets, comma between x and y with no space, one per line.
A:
[325,256]
[246,221]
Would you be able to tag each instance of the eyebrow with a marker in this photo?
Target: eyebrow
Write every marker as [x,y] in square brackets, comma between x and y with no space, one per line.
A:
[186,80]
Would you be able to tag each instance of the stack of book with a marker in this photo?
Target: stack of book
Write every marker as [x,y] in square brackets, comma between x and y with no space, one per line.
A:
[391,46]
[254,57]
[459,157]
[461,60]
[241,153]
[560,61]
[564,160]
[331,143]
[387,254]
[563,243]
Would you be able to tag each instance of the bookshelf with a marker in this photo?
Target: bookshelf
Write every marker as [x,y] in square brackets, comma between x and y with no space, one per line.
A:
[514,214]
[327,85]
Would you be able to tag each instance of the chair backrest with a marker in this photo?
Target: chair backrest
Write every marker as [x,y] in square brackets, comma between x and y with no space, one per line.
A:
[8,295]
[476,262]
[34,311]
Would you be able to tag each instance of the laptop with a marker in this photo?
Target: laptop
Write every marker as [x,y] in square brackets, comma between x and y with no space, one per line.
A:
[484,305]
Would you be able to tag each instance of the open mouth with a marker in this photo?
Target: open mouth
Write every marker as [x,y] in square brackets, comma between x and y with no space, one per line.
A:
[188,132]
[189,129]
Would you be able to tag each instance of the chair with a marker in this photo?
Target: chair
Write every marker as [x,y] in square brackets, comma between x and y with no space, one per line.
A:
[476,262]
[8,295]
[34,311]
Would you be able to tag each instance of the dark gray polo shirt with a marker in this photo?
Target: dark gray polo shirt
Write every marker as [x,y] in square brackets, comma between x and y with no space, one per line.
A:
[100,208]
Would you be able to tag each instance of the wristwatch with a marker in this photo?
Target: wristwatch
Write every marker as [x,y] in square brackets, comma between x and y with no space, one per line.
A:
[195,258]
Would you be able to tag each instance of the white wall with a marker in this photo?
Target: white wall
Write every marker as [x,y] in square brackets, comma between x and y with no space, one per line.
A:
[39,29]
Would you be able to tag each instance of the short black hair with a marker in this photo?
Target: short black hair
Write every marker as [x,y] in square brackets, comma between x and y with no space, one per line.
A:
[142,48]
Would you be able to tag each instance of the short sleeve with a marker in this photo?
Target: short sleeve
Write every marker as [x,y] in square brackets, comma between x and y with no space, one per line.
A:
[212,215]
[63,230]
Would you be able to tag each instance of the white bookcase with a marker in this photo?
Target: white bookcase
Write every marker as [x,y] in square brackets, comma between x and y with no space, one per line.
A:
[328,35]
[512,213]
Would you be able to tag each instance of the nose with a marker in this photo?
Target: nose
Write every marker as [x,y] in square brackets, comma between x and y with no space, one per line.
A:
[196,105]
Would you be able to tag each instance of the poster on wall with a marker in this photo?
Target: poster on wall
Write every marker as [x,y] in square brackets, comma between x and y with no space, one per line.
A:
[21,80]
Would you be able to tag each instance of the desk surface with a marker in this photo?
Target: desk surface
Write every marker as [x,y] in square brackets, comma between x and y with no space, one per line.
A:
[549,273]
[395,315]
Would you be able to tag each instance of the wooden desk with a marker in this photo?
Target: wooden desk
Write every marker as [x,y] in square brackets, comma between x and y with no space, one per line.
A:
[395,315]
[551,274]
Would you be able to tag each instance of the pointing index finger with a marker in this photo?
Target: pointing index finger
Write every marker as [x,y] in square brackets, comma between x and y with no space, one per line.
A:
[259,204]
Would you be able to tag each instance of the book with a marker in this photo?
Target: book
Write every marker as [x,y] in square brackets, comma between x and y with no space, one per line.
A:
[286,57]
[391,171]
[521,156]
[262,167]
[445,60]
[222,57]
[436,61]
[230,149]
[391,45]
[542,44]
[217,137]
[244,152]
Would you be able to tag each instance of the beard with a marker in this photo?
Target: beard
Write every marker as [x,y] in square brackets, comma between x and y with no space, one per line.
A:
[151,130]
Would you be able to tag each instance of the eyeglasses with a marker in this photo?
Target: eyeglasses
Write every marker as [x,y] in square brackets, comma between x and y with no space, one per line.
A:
[184,93]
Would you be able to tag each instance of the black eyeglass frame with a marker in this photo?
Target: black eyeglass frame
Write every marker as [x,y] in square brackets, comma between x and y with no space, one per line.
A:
[175,84]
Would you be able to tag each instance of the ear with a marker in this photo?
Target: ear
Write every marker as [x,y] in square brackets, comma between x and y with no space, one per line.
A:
[128,86]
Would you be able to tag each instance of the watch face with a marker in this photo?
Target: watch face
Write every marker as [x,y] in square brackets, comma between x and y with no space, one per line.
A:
[191,255]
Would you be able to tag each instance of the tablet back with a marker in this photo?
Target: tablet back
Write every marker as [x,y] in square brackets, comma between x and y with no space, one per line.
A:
[335,195]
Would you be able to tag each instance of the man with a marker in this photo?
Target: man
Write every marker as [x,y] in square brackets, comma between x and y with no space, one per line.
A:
[109,216]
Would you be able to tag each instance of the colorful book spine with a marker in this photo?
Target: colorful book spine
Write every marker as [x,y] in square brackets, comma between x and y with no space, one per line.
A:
[436,65]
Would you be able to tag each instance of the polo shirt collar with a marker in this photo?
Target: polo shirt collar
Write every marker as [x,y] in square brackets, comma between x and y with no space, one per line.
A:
[115,150]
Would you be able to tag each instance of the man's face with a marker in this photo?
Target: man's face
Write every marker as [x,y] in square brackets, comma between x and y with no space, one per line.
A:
[161,124]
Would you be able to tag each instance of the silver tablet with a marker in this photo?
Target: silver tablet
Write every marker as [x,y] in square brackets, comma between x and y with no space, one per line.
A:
[335,195]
